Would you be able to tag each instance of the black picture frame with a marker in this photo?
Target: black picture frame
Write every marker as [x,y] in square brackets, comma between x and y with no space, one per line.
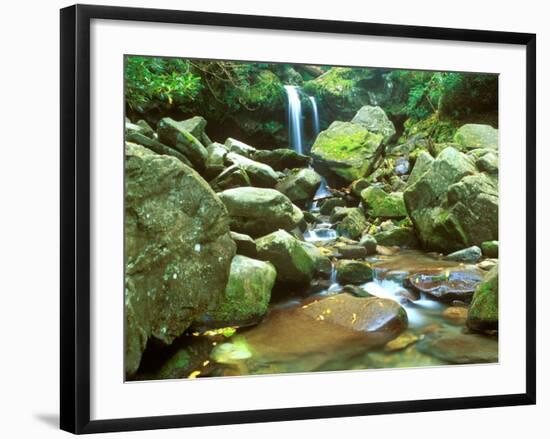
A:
[75,217]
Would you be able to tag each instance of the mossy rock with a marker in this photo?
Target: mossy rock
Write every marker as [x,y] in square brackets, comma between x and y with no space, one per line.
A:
[490,249]
[379,203]
[375,120]
[353,223]
[400,236]
[353,272]
[345,149]
[294,264]
[483,311]
[472,136]
[300,186]
[246,295]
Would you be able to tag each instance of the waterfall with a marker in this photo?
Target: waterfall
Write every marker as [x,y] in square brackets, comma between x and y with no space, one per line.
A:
[315,117]
[294,118]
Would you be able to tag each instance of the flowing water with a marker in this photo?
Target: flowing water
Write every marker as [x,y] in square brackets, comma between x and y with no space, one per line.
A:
[295,125]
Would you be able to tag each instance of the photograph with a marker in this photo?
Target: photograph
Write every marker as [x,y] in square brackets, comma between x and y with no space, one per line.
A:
[294,218]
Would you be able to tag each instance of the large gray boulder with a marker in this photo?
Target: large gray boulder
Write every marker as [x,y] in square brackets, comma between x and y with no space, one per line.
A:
[453,205]
[294,264]
[177,249]
[258,211]
[261,175]
[175,135]
[345,149]
[234,145]
[422,164]
[473,136]
[375,120]
[300,186]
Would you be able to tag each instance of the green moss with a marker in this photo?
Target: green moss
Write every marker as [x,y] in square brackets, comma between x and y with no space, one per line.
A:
[440,131]
[378,203]
[483,311]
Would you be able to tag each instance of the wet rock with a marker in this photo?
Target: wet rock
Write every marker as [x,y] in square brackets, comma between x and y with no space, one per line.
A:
[487,264]
[401,342]
[387,251]
[447,285]
[246,296]
[345,149]
[353,272]
[300,186]
[258,211]
[490,249]
[354,290]
[407,295]
[369,242]
[456,314]
[215,162]
[398,236]
[239,147]
[175,135]
[378,203]
[260,175]
[177,247]
[323,265]
[293,263]
[473,136]
[232,177]
[460,348]
[422,164]
[352,251]
[353,224]
[375,120]
[452,205]
[281,159]
[246,246]
[327,206]
[483,311]
[470,254]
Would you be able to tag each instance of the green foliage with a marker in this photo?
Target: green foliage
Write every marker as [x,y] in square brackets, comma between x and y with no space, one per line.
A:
[152,81]
[453,95]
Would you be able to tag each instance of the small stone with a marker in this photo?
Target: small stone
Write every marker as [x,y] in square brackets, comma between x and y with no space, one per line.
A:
[456,314]
[401,342]
[470,254]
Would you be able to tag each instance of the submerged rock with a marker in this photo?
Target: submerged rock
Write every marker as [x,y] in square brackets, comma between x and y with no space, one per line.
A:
[460,348]
[483,311]
[353,272]
[257,211]
[473,136]
[345,149]
[375,120]
[300,186]
[447,284]
[452,205]
[282,158]
[293,263]
[470,254]
[246,296]
[177,247]
[379,203]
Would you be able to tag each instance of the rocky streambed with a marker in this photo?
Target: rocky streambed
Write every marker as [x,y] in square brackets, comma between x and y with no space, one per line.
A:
[369,253]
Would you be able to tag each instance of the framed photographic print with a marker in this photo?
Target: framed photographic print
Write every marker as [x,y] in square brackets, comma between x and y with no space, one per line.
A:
[268,218]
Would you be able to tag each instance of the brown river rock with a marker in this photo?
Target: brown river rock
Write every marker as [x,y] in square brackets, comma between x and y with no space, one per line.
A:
[327,325]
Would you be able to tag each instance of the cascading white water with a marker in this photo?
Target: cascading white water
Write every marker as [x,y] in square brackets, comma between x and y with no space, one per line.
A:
[294,118]
[315,117]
